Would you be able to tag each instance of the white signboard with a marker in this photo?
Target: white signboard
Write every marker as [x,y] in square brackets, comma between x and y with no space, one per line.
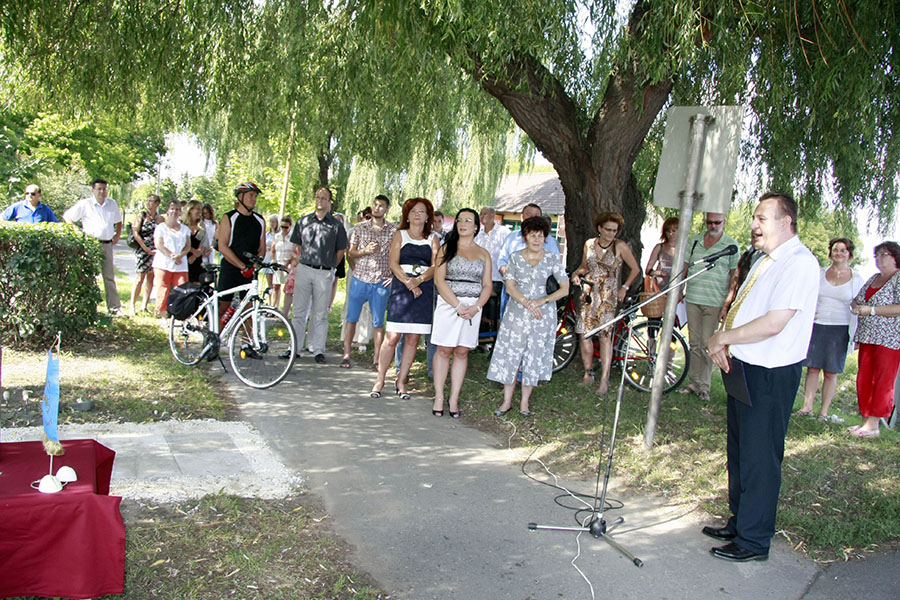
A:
[717,165]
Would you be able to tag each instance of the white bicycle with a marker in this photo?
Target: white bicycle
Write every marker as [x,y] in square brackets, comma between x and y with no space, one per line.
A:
[260,340]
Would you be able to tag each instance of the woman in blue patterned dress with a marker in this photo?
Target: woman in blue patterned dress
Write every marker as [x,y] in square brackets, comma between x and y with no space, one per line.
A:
[463,282]
[411,302]
[525,341]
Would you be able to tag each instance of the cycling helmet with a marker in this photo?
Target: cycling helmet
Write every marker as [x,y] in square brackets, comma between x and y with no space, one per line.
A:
[247,186]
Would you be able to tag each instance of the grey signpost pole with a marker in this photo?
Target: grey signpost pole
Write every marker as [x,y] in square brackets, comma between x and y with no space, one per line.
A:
[699,123]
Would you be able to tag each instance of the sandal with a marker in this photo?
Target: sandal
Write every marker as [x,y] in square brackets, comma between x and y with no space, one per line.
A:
[403,395]
[687,390]
[867,432]
[703,396]
[804,413]
[345,363]
[455,415]
[588,378]
[376,393]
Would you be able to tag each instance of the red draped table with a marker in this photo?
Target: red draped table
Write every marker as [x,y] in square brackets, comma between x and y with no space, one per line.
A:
[70,544]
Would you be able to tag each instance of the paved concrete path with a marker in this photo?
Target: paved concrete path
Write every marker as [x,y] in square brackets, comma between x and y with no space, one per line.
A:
[436,509]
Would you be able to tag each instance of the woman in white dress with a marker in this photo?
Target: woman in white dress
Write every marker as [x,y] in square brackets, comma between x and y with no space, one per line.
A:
[463,281]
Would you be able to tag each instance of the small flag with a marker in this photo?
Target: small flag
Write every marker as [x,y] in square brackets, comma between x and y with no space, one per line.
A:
[50,402]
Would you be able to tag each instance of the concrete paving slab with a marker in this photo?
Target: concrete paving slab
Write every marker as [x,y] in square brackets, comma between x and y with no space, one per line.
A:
[202,454]
[177,460]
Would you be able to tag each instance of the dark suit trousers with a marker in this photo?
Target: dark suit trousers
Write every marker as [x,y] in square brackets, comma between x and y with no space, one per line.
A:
[755,451]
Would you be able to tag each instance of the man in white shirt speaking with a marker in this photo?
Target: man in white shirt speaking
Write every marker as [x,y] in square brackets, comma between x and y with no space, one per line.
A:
[760,351]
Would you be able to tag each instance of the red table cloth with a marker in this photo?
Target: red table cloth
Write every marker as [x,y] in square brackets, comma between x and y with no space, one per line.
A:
[70,544]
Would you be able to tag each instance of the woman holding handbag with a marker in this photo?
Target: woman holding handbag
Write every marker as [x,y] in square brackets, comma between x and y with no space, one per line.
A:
[601,269]
[142,232]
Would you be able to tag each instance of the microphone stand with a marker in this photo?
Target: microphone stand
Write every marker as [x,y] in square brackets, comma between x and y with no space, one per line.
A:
[597,525]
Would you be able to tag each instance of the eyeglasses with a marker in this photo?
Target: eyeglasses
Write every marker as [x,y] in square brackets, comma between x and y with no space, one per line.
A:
[708,222]
[883,253]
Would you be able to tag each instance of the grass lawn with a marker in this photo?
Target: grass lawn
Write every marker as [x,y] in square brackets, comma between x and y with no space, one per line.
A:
[220,546]
[840,495]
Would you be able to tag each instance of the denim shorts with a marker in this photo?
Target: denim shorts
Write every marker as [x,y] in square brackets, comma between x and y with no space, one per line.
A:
[361,292]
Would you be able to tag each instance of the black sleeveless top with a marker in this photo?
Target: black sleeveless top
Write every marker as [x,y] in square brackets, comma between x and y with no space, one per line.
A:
[246,231]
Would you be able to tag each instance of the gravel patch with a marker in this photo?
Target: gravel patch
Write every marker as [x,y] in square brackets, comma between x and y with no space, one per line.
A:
[171,461]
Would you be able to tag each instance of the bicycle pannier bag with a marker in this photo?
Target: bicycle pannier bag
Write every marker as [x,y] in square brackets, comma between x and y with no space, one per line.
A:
[184,300]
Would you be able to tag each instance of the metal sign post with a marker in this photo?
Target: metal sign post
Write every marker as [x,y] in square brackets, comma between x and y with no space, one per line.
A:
[699,123]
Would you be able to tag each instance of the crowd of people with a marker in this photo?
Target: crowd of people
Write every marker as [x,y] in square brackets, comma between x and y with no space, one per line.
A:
[760,318]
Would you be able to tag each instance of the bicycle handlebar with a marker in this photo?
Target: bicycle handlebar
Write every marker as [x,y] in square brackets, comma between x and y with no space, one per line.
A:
[259,263]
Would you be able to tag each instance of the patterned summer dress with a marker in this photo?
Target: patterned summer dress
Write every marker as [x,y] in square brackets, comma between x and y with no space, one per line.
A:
[604,267]
[144,261]
[524,343]
[464,278]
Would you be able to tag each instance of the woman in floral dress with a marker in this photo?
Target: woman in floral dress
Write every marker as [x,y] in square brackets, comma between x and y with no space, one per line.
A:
[144,226]
[599,276]
[525,341]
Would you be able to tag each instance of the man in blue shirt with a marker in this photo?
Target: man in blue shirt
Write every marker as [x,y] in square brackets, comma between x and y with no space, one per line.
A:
[31,209]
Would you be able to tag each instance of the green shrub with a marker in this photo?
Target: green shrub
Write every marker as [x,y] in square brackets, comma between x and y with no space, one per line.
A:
[48,282]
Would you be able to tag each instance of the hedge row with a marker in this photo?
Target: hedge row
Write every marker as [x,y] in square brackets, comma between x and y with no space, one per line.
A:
[48,283]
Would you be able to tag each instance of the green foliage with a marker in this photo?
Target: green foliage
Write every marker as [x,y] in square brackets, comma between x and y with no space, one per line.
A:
[35,146]
[48,282]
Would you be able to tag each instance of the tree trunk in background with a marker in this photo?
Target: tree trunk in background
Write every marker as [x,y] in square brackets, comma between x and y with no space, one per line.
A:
[594,166]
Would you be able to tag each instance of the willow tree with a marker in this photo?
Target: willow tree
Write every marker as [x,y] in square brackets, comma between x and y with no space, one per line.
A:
[586,84]
[239,72]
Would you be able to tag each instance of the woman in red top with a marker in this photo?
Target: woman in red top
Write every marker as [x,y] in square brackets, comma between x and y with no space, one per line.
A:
[878,337]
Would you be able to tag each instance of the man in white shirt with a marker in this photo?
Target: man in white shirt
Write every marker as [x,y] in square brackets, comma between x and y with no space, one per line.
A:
[760,351]
[491,238]
[100,218]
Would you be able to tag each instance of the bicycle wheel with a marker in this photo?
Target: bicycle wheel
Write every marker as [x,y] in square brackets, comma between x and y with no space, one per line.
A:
[566,346]
[642,354]
[188,338]
[262,348]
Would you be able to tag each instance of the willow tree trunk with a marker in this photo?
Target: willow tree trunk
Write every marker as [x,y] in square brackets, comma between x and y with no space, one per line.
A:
[594,163]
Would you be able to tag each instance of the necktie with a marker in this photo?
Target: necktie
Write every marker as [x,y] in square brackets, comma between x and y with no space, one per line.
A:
[764,264]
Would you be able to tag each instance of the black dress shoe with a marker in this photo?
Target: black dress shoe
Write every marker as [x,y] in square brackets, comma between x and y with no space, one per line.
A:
[718,533]
[735,553]
[320,358]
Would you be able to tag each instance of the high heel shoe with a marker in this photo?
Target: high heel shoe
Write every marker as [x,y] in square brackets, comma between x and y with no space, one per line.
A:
[456,414]
[376,393]
[438,413]
[403,395]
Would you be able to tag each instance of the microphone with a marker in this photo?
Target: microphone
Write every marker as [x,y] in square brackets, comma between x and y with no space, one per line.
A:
[732,249]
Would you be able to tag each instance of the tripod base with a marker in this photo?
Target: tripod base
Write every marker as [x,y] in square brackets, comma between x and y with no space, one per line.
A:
[599,528]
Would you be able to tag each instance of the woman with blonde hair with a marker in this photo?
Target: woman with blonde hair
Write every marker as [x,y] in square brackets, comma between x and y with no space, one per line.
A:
[193,218]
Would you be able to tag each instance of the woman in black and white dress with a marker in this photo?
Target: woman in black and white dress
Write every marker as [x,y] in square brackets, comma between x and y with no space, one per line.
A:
[463,281]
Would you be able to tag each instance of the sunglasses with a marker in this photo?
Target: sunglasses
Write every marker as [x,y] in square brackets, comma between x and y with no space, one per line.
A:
[32,193]
[714,222]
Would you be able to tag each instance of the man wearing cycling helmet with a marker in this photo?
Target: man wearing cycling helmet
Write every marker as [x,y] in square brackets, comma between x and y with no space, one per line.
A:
[240,230]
